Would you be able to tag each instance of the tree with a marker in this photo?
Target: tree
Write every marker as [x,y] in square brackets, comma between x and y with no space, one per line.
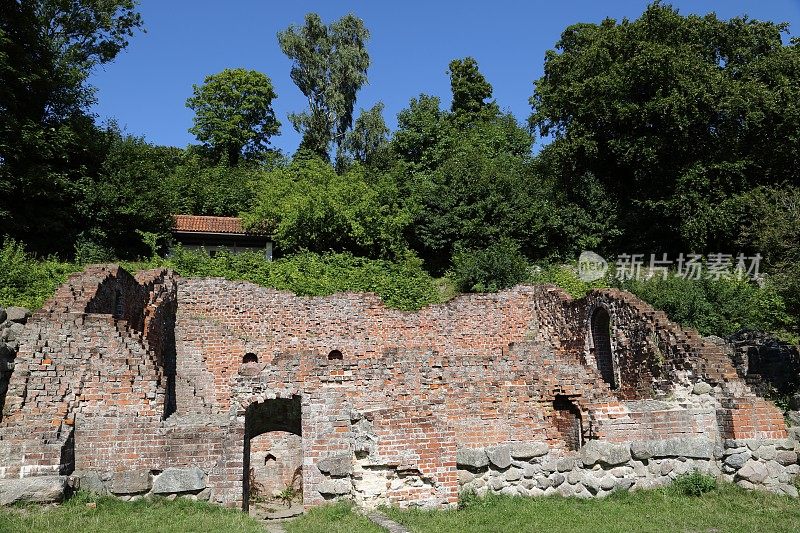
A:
[329,67]
[308,206]
[470,89]
[469,175]
[233,113]
[666,118]
[128,195]
[48,143]
[369,135]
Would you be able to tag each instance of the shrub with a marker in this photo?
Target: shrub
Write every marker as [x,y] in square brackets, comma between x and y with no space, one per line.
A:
[401,284]
[566,277]
[495,267]
[26,281]
[716,306]
[693,483]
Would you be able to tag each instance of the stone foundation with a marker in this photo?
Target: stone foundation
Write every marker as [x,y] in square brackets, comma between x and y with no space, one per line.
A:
[601,468]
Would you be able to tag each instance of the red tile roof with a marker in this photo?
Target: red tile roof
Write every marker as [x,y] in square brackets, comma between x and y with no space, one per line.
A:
[203,224]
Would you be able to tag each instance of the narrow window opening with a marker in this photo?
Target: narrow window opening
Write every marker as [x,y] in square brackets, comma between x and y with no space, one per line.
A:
[119,306]
[250,357]
[601,339]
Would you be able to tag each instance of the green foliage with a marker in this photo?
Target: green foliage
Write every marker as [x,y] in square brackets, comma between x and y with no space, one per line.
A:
[470,89]
[26,281]
[329,66]
[128,196]
[402,285]
[368,142]
[770,225]
[714,307]
[693,483]
[233,113]
[497,266]
[469,176]
[670,116]
[195,188]
[308,206]
[566,277]
[48,142]
[470,500]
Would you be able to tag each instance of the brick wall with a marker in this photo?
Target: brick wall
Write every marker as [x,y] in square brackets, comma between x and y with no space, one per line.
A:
[124,379]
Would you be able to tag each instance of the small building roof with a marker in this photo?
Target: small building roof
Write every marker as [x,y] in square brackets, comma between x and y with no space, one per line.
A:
[207,224]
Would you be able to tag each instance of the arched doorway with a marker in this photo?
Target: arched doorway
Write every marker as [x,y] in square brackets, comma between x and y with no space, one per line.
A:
[273,458]
[601,340]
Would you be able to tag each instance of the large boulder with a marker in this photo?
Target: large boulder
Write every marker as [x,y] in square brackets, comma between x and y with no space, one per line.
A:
[690,447]
[41,489]
[753,471]
[177,480]
[337,466]
[499,456]
[130,482]
[17,314]
[335,487]
[529,450]
[608,453]
[472,458]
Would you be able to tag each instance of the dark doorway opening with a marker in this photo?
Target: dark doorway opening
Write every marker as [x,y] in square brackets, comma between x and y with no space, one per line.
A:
[601,340]
[568,422]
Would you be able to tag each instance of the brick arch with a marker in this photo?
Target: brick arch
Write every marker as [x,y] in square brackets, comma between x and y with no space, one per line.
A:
[600,327]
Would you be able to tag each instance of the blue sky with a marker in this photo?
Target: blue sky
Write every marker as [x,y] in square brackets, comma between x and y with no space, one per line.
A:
[412,42]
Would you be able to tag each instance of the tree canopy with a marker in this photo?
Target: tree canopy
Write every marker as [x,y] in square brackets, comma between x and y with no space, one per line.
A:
[233,113]
[670,118]
[329,66]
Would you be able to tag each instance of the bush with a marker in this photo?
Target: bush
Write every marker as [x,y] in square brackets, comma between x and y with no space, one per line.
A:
[401,284]
[26,281]
[716,307]
[566,277]
[498,266]
[693,483]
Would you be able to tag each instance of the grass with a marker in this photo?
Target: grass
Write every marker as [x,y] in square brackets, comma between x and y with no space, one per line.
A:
[725,509]
[334,518]
[150,515]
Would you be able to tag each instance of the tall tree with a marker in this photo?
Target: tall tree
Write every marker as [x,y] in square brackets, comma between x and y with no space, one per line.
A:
[369,135]
[667,117]
[233,113]
[470,88]
[48,143]
[329,67]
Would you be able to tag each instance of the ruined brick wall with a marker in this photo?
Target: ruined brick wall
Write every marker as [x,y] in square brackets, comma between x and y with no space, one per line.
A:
[139,385]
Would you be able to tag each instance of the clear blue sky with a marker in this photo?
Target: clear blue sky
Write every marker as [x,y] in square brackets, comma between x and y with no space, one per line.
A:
[412,41]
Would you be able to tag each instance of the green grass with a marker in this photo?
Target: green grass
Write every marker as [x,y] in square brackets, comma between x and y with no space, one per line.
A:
[112,515]
[336,518]
[726,509]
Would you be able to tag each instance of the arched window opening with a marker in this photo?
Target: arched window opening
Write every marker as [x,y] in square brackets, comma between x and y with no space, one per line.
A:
[250,357]
[567,419]
[601,340]
[335,355]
